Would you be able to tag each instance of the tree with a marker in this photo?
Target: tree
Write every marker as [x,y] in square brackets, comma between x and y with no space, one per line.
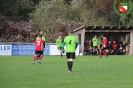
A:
[16,9]
[131,19]
[54,16]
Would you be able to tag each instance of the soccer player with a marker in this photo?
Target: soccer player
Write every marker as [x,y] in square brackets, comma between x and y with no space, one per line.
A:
[59,45]
[38,49]
[95,41]
[104,47]
[71,43]
[44,39]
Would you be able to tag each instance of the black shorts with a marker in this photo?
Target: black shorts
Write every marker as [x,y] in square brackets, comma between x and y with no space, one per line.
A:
[41,52]
[70,55]
[38,52]
[104,48]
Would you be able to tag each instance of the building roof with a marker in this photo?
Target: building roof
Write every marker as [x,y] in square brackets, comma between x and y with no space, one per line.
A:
[95,28]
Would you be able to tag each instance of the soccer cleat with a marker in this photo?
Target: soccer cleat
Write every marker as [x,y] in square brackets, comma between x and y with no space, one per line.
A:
[63,52]
[39,61]
[100,57]
[69,71]
[61,55]
[33,62]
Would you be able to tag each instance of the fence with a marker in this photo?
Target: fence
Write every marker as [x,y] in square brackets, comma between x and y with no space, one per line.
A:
[28,49]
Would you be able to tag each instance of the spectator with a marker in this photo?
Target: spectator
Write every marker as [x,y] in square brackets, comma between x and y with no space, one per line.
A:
[95,52]
[121,51]
[109,47]
[114,48]
[90,51]
[123,45]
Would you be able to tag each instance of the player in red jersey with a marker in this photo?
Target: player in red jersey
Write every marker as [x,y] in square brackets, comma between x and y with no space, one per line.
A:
[104,47]
[38,49]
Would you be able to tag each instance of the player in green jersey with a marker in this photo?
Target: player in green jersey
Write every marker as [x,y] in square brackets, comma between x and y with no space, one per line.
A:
[95,44]
[95,41]
[59,44]
[71,43]
[44,39]
[41,33]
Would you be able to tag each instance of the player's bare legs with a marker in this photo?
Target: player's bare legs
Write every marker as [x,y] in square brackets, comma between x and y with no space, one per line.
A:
[62,52]
[41,56]
[102,51]
[34,58]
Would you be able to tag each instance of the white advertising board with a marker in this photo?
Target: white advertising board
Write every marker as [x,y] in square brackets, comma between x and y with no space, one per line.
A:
[55,51]
[5,49]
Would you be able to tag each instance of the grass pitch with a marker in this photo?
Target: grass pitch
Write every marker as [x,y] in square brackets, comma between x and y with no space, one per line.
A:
[88,72]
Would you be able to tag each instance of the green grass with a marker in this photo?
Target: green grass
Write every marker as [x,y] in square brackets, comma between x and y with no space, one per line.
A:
[88,72]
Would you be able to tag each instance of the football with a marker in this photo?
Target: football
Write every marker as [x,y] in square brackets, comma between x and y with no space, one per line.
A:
[80,54]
